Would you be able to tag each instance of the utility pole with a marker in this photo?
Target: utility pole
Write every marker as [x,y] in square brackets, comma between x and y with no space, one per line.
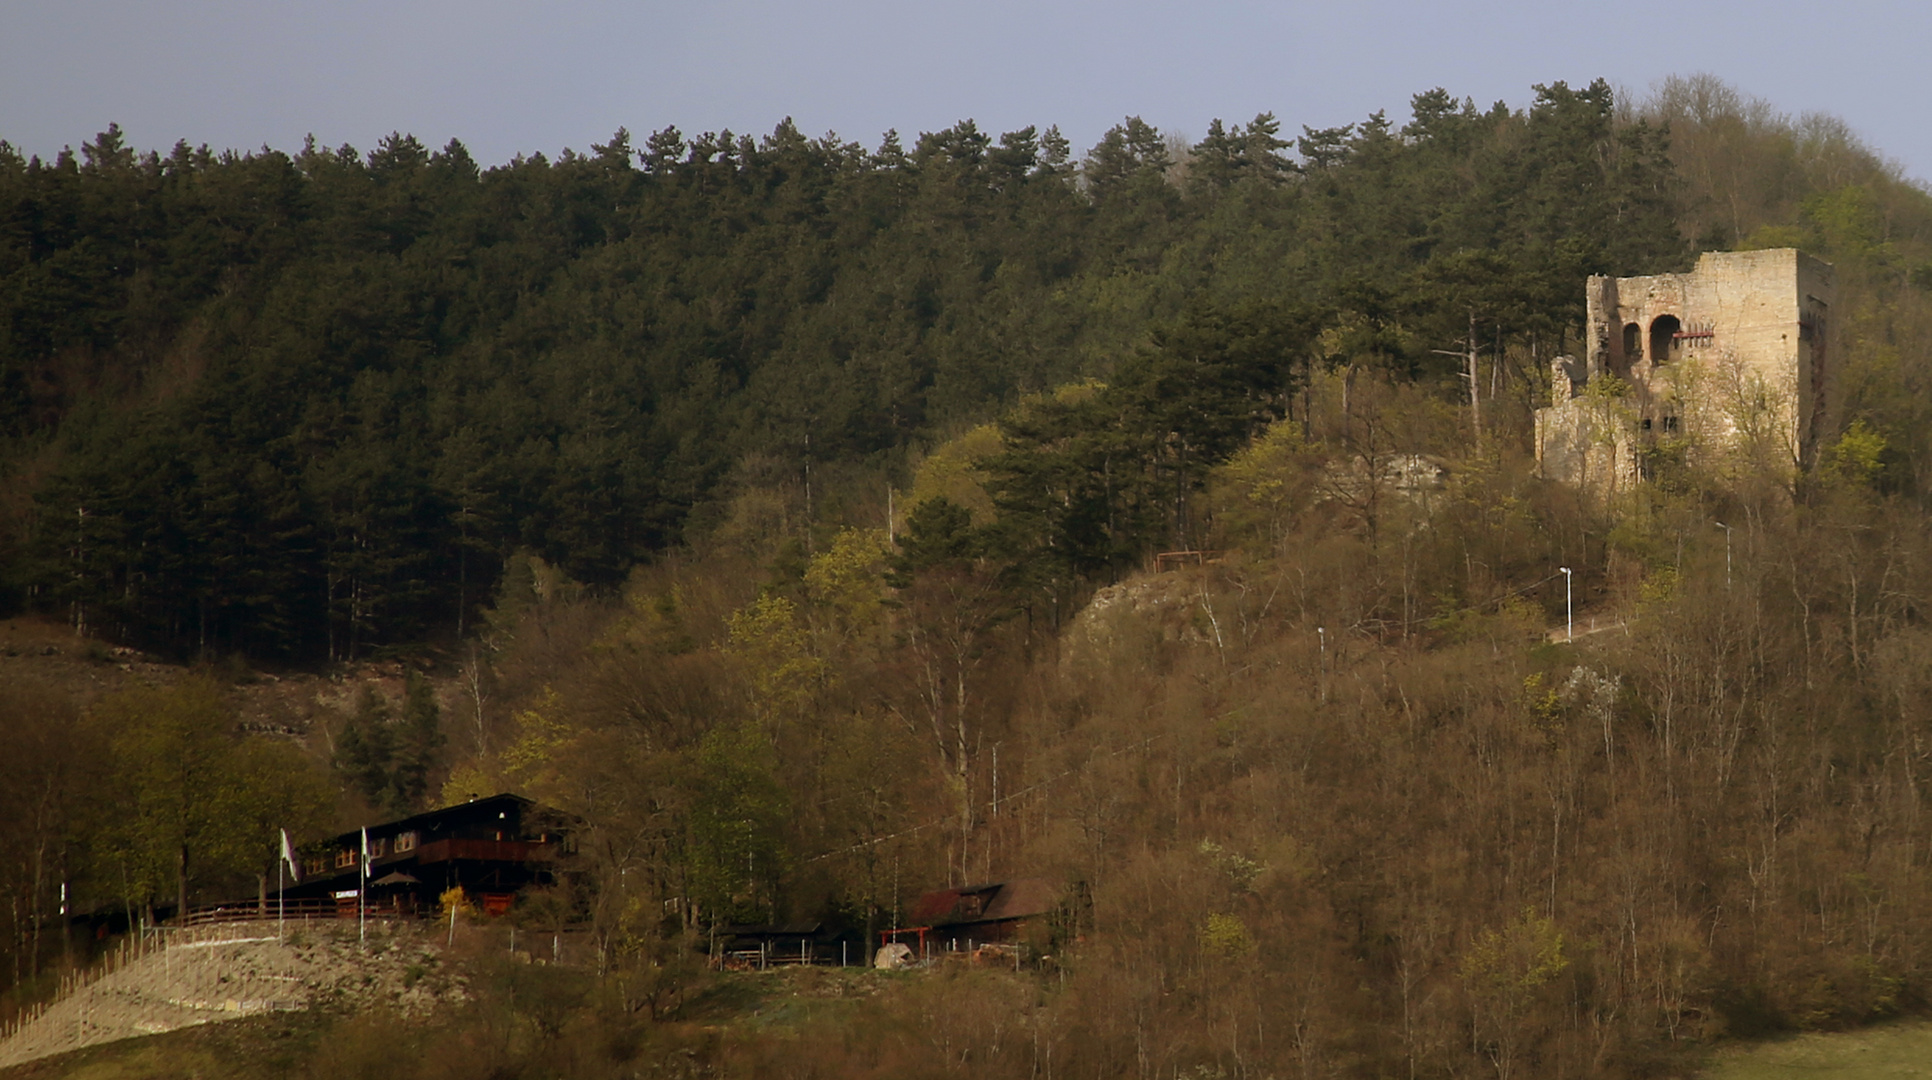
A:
[996,780]
[1470,375]
[80,573]
[1727,554]
[1475,381]
[1569,604]
[1321,633]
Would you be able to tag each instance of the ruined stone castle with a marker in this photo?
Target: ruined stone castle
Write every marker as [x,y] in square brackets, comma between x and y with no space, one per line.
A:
[1729,363]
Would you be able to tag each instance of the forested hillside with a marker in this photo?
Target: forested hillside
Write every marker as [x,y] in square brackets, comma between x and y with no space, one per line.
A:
[305,406]
[789,513]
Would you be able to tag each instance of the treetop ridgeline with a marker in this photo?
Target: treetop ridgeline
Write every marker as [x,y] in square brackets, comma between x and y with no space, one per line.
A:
[305,406]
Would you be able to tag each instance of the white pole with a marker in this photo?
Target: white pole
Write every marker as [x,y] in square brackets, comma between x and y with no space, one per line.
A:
[279,900]
[1321,634]
[1569,604]
[1727,553]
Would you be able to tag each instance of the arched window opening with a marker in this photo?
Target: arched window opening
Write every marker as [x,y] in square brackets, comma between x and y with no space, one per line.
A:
[1633,342]
[1663,336]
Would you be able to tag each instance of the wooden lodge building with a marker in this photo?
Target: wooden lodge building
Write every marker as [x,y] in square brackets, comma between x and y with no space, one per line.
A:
[491,848]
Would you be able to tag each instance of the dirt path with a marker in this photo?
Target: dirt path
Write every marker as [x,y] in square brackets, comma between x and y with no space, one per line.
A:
[1587,625]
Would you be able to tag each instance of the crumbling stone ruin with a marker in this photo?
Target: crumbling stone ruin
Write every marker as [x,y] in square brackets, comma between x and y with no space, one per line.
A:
[1730,362]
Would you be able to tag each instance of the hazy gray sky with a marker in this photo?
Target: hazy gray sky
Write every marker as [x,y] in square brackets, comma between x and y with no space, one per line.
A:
[519,77]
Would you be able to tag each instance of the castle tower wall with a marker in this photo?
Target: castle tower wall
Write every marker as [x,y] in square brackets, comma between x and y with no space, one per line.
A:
[1731,360]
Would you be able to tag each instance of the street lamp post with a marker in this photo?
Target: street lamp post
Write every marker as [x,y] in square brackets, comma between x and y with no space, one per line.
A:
[1569,604]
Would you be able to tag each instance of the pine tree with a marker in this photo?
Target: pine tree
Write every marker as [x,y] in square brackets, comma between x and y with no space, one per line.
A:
[365,751]
[419,742]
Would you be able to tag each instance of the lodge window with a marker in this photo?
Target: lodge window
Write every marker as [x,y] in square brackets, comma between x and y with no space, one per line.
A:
[405,841]
[345,857]
[377,847]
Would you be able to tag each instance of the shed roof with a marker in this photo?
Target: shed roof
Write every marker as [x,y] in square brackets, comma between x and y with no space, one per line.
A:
[1021,898]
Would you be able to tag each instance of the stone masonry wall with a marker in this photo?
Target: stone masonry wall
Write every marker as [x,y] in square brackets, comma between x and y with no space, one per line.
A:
[1728,362]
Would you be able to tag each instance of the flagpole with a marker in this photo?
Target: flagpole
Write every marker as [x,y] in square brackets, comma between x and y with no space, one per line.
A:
[362,895]
[281,884]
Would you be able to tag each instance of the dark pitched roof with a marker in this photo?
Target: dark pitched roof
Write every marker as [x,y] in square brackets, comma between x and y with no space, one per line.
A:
[428,820]
[1021,898]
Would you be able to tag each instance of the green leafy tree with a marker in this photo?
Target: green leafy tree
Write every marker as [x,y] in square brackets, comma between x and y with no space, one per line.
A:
[197,806]
[737,849]
[1506,971]
[777,654]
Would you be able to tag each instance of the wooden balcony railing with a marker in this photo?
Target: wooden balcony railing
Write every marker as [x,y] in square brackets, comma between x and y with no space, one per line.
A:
[483,851]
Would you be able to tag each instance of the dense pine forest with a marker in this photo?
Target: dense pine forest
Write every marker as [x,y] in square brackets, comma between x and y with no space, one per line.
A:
[307,406]
[791,512]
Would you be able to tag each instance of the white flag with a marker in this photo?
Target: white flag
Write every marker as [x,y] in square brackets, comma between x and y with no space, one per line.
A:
[365,852]
[288,856]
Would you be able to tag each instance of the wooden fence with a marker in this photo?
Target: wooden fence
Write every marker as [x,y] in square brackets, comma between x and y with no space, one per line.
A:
[292,911]
[132,948]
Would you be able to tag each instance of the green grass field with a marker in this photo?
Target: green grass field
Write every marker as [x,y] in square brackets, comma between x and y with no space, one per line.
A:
[1880,1053]
[287,1045]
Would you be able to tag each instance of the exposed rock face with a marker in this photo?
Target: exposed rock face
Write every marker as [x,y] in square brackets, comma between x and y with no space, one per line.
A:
[1123,622]
[1412,478]
[1732,358]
